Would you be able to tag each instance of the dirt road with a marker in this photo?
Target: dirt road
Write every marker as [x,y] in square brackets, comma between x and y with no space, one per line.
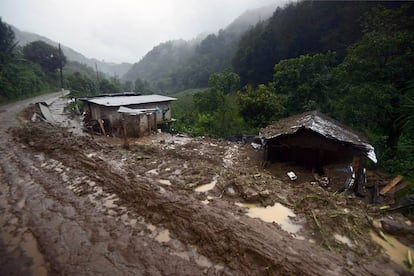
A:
[77,205]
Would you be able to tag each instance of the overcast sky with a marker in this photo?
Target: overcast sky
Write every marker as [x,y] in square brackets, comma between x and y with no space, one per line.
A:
[122,30]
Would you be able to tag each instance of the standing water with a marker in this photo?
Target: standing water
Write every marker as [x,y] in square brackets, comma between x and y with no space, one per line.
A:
[207,187]
[276,213]
[397,251]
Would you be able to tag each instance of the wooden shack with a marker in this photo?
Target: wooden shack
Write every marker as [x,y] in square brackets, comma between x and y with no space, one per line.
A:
[314,140]
[137,114]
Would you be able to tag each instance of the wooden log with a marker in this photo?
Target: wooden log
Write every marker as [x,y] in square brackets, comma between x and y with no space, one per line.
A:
[391,185]
[100,121]
[397,228]
[126,144]
[400,186]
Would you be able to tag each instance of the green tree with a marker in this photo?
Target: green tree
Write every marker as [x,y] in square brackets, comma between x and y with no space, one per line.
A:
[19,78]
[262,105]
[306,81]
[217,109]
[116,83]
[407,110]
[47,56]
[208,101]
[81,85]
[7,43]
[376,71]
[225,81]
[220,84]
[223,120]
[127,86]
[141,86]
[110,86]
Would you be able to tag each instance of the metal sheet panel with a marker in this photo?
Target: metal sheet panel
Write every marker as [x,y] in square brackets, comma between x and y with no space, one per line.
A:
[129,100]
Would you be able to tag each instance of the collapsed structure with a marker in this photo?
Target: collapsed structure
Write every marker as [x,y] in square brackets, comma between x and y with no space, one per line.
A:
[128,115]
[315,139]
[318,142]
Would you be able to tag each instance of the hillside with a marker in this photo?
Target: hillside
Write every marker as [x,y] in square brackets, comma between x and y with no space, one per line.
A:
[108,68]
[300,28]
[178,65]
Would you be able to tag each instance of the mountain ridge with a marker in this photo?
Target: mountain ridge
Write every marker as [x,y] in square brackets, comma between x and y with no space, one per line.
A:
[109,68]
[179,64]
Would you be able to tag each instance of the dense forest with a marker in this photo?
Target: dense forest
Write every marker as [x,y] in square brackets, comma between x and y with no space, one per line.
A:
[253,43]
[306,27]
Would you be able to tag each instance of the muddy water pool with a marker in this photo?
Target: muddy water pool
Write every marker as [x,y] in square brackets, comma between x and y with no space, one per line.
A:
[397,251]
[207,187]
[277,213]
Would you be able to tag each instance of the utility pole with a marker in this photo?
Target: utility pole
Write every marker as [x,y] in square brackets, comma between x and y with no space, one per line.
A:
[61,67]
[97,78]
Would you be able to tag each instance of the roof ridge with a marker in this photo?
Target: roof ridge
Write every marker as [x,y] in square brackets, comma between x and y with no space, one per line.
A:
[320,123]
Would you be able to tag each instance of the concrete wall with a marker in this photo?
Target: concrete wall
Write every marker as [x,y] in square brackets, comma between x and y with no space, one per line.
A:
[111,114]
[139,125]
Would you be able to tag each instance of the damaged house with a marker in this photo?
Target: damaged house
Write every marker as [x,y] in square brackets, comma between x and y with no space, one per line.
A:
[128,115]
[318,142]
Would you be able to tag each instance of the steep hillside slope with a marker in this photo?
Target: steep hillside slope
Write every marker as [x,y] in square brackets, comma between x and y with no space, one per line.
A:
[178,65]
[305,27]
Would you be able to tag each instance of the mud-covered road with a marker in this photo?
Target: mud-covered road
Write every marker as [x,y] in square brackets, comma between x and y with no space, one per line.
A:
[79,205]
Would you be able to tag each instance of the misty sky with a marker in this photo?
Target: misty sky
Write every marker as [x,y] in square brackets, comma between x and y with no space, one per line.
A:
[122,30]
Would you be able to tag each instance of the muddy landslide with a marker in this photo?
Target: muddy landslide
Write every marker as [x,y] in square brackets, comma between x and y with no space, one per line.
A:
[84,205]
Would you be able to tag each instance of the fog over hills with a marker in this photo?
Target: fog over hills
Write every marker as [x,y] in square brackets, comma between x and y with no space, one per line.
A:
[179,64]
[173,64]
[250,18]
[109,68]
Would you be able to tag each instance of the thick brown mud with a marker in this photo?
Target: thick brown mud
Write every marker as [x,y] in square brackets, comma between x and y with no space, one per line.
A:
[86,205]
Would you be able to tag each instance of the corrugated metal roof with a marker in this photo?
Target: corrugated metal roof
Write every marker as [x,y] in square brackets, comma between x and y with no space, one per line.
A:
[321,124]
[129,100]
[131,111]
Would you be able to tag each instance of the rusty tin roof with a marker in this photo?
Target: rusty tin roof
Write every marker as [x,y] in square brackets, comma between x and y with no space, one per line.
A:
[322,124]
